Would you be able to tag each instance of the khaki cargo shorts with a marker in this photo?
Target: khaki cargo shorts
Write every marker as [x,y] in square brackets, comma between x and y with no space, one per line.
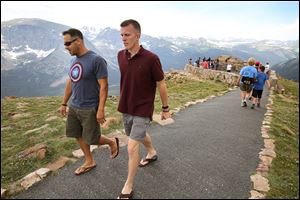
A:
[246,87]
[83,123]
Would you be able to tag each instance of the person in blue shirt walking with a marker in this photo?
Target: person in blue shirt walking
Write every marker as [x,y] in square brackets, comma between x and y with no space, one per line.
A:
[87,88]
[246,79]
[259,86]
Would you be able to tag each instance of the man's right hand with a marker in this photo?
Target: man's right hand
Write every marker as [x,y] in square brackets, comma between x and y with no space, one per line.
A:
[63,110]
[100,117]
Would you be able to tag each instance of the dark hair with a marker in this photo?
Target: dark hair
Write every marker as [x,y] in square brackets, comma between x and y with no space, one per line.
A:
[134,23]
[262,68]
[73,33]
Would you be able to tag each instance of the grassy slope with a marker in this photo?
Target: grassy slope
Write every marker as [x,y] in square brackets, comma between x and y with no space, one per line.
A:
[284,173]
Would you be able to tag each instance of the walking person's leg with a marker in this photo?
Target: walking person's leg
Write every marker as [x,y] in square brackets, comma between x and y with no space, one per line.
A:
[133,149]
[87,132]
[89,162]
[150,149]
[254,98]
[250,95]
[74,129]
[259,97]
[113,144]
[248,90]
[86,151]
[243,94]
[243,98]
[135,128]
[258,103]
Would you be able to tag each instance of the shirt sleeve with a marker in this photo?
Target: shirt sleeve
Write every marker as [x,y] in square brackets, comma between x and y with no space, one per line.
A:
[101,68]
[157,71]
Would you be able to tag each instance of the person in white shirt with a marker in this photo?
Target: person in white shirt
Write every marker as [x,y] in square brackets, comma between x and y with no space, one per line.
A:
[267,69]
[228,68]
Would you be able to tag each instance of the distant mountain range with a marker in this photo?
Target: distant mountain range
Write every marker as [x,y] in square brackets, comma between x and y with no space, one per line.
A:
[35,63]
[288,69]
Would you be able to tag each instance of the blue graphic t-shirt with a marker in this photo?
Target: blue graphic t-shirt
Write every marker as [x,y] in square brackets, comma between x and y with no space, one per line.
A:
[261,79]
[248,71]
[85,71]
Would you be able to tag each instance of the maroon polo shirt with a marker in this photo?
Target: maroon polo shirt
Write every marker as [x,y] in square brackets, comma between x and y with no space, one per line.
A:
[139,75]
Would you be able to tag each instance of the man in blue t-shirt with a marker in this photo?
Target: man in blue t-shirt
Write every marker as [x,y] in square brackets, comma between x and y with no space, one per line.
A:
[247,78]
[88,88]
[259,86]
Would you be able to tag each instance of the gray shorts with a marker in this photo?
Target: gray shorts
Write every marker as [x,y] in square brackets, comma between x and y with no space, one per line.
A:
[83,123]
[136,127]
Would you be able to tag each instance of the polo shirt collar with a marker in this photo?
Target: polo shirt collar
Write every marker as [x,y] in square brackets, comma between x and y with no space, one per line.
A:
[138,53]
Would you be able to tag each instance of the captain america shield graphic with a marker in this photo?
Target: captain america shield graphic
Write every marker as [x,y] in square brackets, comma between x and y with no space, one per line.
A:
[76,72]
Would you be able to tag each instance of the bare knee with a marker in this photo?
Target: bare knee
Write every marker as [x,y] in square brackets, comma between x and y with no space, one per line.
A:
[132,147]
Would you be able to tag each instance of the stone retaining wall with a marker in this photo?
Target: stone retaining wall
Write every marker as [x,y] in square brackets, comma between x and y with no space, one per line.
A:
[225,77]
[229,78]
[274,83]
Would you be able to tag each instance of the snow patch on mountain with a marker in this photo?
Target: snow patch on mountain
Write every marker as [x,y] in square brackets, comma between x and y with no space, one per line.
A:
[39,53]
[176,49]
[90,32]
[14,54]
[226,44]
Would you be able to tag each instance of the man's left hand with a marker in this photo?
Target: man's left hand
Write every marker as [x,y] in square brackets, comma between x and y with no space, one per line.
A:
[100,117]
[165,115]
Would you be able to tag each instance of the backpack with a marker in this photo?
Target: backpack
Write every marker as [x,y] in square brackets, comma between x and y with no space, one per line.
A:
[247,80]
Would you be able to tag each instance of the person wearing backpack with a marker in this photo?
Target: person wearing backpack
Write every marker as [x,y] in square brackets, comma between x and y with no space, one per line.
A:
[246,79]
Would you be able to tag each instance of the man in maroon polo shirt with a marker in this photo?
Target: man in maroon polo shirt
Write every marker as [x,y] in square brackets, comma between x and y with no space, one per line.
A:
[141,73]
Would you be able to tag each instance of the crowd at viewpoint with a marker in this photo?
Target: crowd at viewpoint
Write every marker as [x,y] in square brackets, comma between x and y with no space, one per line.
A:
[251,81]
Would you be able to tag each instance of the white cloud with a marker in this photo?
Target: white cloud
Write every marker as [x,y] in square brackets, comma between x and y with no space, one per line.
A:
[192,19]
[290,31]
[279,32]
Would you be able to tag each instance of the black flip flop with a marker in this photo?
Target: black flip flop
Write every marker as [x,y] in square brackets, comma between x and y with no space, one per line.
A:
[117,141]
[126,196]
[148,160]
[84,169]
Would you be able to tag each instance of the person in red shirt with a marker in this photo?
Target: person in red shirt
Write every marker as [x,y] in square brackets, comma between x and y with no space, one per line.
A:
[141,72]
[205,64]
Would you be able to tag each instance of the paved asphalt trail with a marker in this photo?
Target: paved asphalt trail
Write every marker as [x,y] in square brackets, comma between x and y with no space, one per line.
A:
[209,152]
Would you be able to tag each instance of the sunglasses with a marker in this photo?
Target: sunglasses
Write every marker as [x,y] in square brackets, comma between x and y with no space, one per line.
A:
[70,42]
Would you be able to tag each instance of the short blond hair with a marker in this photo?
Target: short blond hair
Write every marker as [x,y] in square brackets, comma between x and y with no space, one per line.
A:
[251,61]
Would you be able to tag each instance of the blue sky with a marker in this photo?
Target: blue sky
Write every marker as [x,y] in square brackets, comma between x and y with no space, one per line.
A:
[218,20]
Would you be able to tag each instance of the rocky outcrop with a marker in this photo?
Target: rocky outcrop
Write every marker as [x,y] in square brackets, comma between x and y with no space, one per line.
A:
[217,75]
[37,151]
[236,63]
